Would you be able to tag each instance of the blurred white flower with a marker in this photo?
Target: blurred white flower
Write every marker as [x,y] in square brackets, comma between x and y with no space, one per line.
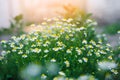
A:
[3,53]
[114,71]
[55,49]
[60,78]
[68,51]
[107,65]
[52,68]
[46,51]
[23,36]
[3,41]
[61,73]
[86,77]
[53,60]
[12,45]
[36,50]
[31,71]
[67,63]
[24,56]
[20,52]
[43,76]
[89,21]
[21,46]
[82,28]
[119,32]
[78,51]
[85,59]
[80,61]
[84,42]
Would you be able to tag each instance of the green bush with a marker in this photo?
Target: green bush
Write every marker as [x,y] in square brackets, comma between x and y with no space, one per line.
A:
[16,26]
[60,49]
[112,28]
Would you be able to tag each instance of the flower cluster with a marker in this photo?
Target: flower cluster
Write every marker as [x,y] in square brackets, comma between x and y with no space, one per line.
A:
[75,50]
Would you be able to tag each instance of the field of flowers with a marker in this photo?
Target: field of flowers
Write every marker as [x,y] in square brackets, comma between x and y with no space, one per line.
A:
[62,50]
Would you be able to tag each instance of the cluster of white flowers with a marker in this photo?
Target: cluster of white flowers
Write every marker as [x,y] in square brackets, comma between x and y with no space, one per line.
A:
[63,44]
[35,41]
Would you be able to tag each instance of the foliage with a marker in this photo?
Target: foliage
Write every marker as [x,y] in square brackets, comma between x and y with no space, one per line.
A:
[16,26]
[60,49]
[112,28]
[117,59]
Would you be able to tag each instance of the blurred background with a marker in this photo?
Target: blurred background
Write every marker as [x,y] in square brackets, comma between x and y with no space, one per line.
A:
[106,13]
[103,11]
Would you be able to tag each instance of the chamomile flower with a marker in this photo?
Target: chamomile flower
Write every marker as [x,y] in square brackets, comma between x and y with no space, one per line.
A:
[53,60]
[46,51]
[33,45]
[84,42]
[55,49]
[80,61]
[69,20]
[62,73]
[12,45]
[67,63]
[24,56]
[110,57]
[68,51]
[43,76]
[114,71]
[21,46]
[93,42]
[36,50]
[20,52]
[67,37]
[61,44]
[103,52]
[64,19]
[3,53]
[89,53]
[82,28]
[85,59]
[13,37]
[14,49]
[56,19]
[90,46]
[44,23]
[49,20]
[78,51]
[22,36]
[97,54]
[3,41]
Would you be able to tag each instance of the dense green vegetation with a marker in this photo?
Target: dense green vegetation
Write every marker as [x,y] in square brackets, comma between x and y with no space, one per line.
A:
[62,50]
